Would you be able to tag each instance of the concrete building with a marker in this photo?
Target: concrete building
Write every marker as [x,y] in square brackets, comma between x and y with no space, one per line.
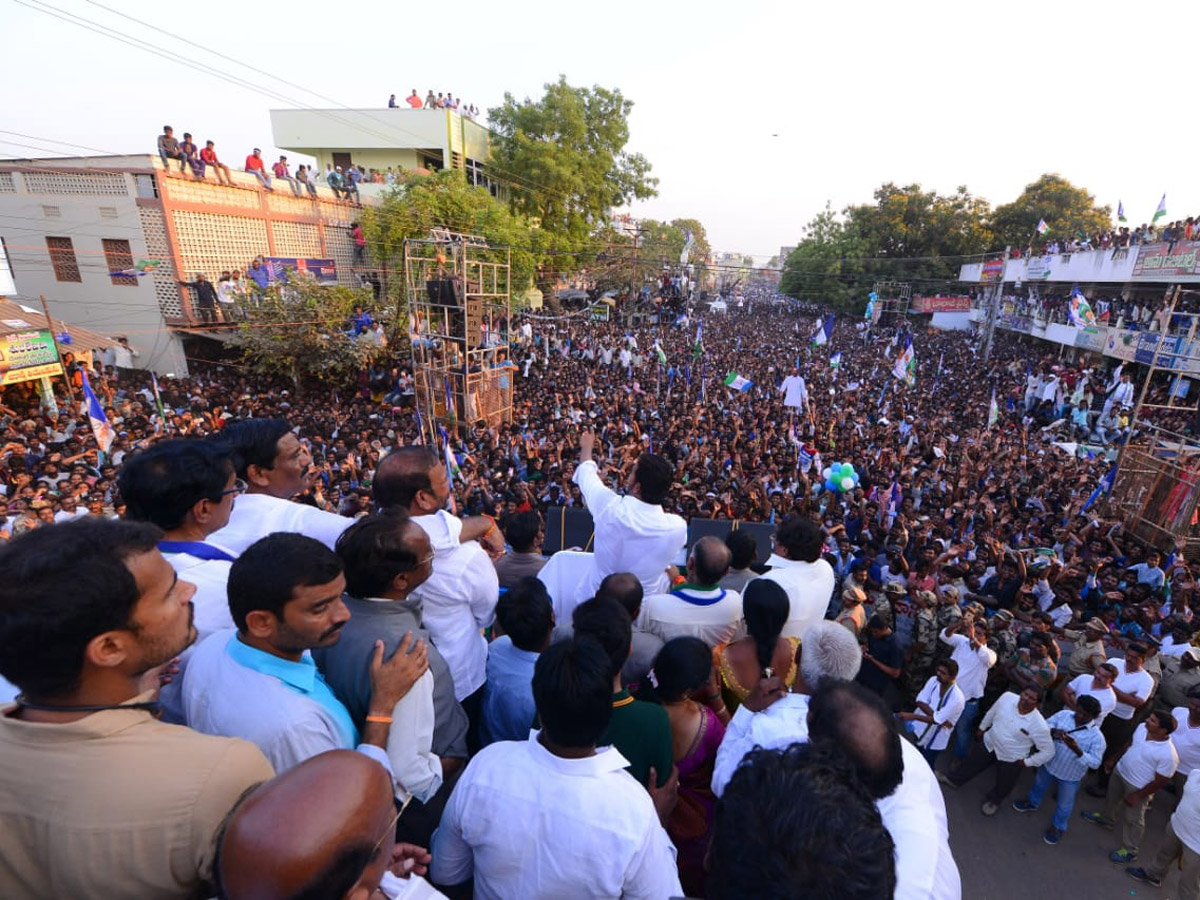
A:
[383,139]
[1031,298]
[66,225]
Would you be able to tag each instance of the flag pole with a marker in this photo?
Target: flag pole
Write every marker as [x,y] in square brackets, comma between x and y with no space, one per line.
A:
[57,349]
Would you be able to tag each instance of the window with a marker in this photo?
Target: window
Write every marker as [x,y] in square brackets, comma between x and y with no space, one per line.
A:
[147,188]
[118,256]
[62,257]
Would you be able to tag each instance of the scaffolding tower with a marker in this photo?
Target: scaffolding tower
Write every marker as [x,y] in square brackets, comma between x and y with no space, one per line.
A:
[891,304]
[1156,486]
[460,309]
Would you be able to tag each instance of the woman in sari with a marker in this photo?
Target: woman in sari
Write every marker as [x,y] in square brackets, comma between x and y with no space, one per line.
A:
[741,664]
[682,682]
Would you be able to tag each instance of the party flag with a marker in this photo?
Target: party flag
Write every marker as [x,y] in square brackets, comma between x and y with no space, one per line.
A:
[101,427]
[1042,227]
[1121,212]
[1161,211]
[736,382]
[836,359]
[905,366]
[993,410]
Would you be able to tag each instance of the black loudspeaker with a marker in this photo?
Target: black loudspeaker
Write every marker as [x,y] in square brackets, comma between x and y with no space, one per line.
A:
[444,292]
[567,528]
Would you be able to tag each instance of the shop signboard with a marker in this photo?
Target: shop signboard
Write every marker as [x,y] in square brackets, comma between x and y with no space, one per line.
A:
[1162,262]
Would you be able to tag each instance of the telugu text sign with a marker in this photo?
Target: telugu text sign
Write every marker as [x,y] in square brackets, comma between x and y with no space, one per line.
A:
[1158,261]
[27,356]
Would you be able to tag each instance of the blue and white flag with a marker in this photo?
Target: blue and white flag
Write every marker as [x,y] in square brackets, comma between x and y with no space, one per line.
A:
[836,359]
[1104,487]
[101,427]
[906,364]
[824,332]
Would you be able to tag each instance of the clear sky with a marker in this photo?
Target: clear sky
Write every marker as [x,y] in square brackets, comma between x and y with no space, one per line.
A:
[753,114]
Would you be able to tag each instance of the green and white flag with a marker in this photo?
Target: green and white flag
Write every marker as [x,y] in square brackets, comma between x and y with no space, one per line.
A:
[658,350]
[1161,211]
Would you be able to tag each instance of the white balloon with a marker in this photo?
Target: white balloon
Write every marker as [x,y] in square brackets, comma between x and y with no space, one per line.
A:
[847,483]
[825,473]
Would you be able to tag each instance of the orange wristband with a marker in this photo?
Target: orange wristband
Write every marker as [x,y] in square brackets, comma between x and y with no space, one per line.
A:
[382,720]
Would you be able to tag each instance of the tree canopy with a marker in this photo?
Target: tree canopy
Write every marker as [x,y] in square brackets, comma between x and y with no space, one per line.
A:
[564,163]
[921,237]
[1069,212]
[301,330]
[445,198]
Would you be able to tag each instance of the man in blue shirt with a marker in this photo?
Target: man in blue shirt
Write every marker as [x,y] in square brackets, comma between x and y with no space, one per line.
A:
[1078,748]
[526,617]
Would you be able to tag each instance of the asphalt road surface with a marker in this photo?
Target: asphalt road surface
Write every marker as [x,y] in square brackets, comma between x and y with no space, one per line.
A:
[1005,858]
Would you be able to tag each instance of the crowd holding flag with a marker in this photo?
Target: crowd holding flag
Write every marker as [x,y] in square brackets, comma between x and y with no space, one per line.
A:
[836,360]
[698,350]
[905,367]
[1042,227]
[1080,310]
[736,382]
[824,331]
[101,427]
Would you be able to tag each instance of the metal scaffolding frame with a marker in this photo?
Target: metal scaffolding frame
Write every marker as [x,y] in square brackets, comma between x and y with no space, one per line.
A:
[460,306]
[892,300]
[1156,487]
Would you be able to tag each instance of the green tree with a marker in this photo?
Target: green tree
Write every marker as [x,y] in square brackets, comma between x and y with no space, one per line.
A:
[564,161]
[827,264]
[445,198]
[300,330]
[907,234]
[1069,211]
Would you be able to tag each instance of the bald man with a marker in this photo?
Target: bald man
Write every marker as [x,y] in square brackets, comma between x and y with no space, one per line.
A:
[325,828]
[700,607]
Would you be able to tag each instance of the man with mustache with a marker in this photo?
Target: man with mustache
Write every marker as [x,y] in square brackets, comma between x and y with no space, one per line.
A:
[275,465]
[97,793]
[259,682]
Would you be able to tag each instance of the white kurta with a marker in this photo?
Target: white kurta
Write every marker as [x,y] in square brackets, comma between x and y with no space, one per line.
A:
[631,536]
[914,814]
[457,600]
[795,391]
[809,587]
[526,823]
[255,516]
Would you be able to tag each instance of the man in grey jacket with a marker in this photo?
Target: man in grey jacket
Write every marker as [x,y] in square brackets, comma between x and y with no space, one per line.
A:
[386,556]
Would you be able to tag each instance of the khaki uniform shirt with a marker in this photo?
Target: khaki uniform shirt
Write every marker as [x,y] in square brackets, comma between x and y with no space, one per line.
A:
[115,805]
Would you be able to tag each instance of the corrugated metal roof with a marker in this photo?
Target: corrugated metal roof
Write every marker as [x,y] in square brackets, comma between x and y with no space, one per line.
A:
[16,317]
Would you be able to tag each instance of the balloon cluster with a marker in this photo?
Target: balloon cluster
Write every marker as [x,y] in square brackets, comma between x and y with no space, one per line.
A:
[840,477]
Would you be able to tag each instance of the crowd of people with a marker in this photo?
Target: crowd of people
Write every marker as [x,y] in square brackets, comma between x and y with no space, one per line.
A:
[1120,238]
[267,655]
[432,101]
[196,161]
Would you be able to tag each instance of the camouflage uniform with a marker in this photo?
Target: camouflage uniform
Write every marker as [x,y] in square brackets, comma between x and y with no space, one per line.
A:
[925,639]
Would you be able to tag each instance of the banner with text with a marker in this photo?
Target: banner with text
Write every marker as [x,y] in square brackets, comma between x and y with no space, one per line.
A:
[1156,262]
[941,304]
[323,270]
[27,356]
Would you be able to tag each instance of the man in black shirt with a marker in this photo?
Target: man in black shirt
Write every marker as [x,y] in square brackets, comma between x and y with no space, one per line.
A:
[882,661]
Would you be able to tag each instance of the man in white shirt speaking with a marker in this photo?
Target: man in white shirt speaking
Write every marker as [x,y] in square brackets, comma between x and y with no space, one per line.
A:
[633,533]
[274,465]
[555,816]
